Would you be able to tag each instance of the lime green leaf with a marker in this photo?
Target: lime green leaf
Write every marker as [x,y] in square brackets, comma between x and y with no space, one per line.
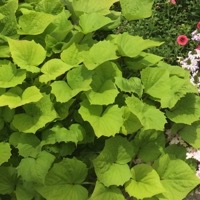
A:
[8,179]
[16,97]
[176,176]
[111,165]
[10,76]
[190,134]
[59,134]
[47,6]
[92,22]
[150,145]
[132,46]
[99,53]
[35,170]
[72,55]
[34,23]
[186,111]
[36,116]
[137,9]
[8,25]
[131,122]
[149,116]
[145,182]
[5,152]
[142,61]
[101,192]
[4,51]
[62,91]
[92,6]
[79,79]
[104,94]
[107,123]
[27,54]
[156,80]
[59,28]
[104,90]
[132,85]
[63,181]
[173,87]
[52,69]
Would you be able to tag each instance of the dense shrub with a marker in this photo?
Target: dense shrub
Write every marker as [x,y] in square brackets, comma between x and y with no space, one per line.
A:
[88,114]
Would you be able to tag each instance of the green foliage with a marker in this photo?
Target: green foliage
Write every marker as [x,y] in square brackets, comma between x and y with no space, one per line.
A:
[84,111]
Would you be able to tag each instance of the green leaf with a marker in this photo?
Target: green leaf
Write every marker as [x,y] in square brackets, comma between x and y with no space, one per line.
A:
[149,116]
[191,134]
[59,134]
[50,7]
[131,46]
[17,138]
[33,23]
[92,6]
[8,25]
[145,182]
[72,55]
[64,180]
[24,191]
[137,9]
[103,90]
[35,169]
[132,85]
[103,94]
[150,144]
[92,22]
[107,123]
[4,51]
[176,151]
[53,69]
[142,61]
[176,176]
[36,116]
[16,97]
[99,53]
[79,79]
[101,192]
[156,80]
[5,152]
[111,165]
[8,179]
[10,76]
[131,122]
[27,54]
[173,86]
[186,111]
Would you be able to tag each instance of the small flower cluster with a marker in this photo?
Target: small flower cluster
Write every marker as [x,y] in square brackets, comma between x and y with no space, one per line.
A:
[192,62]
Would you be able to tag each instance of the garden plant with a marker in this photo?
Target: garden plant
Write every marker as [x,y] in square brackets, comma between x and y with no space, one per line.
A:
[88,113]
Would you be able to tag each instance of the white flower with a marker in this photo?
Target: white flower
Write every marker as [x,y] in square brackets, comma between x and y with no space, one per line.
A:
[196,36]
[193,153]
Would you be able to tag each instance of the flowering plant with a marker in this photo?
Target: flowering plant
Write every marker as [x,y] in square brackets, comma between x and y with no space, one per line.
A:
[192,61]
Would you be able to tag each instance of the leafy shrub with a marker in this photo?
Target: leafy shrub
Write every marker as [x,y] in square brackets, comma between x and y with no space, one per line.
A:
[84,111]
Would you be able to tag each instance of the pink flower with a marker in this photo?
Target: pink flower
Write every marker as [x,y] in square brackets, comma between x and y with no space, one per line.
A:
[198,47]
[198,25]
[173,1]
[182,40]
